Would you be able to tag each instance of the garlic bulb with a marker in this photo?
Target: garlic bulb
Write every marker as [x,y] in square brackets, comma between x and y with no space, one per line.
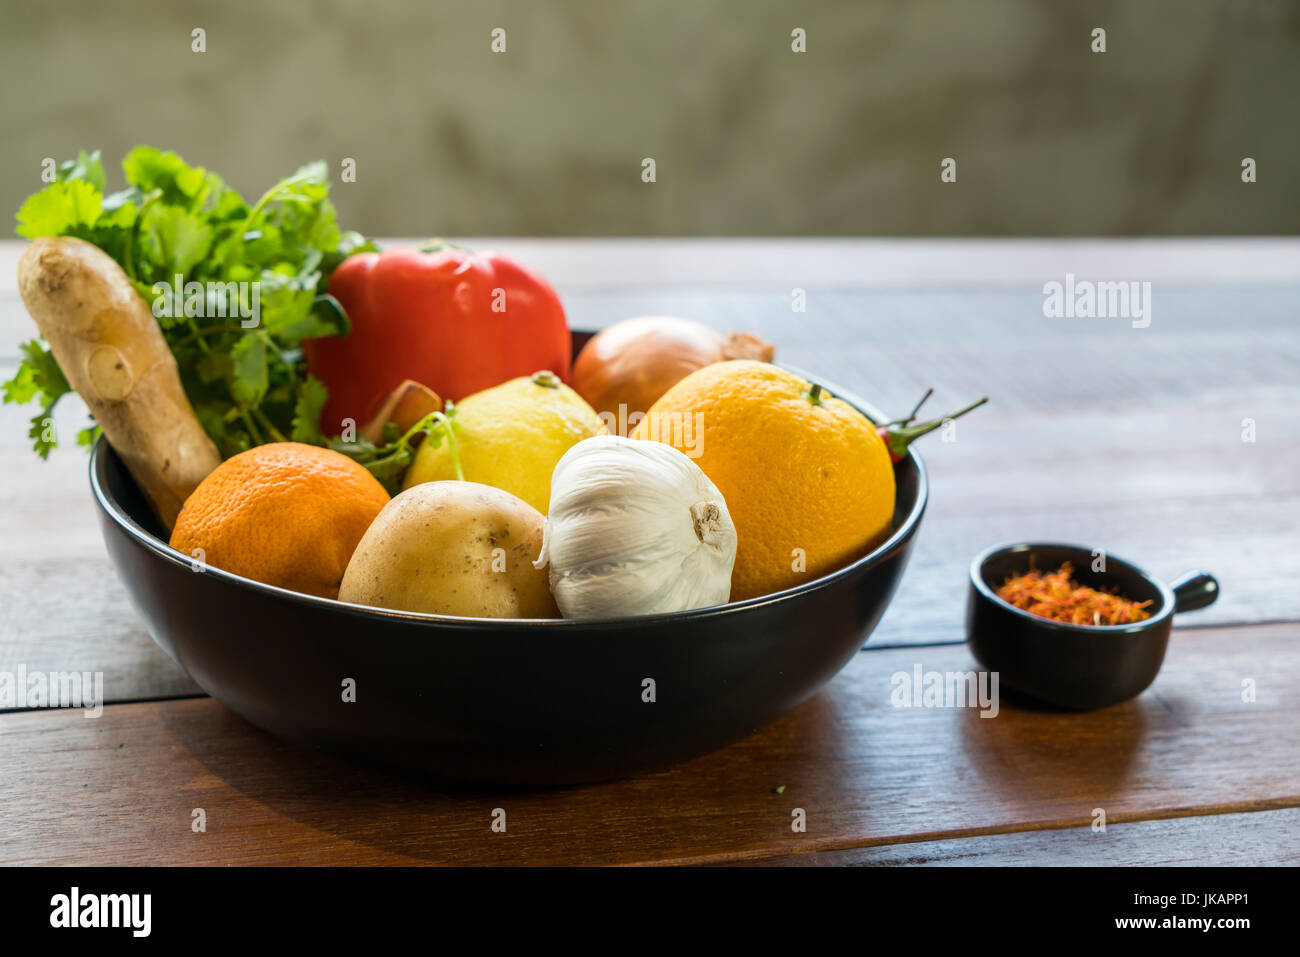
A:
[635,528]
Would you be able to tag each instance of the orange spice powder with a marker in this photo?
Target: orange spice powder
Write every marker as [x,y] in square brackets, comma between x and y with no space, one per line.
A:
[1056,595]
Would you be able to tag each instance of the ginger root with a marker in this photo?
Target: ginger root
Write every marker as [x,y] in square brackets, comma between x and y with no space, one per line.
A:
[112,351]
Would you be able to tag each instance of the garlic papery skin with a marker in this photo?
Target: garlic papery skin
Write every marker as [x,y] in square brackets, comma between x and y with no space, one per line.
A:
[635,528]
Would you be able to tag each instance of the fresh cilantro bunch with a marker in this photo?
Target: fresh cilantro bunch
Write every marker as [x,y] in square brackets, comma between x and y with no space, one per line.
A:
[176,224]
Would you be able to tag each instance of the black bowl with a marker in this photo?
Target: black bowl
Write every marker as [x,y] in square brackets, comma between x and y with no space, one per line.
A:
[1076,667]
[499,702]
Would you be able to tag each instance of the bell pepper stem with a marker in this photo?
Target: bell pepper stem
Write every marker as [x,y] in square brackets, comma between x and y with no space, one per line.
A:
[440,245]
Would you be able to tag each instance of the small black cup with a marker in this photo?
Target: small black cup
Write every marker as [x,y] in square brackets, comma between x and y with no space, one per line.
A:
[1077,667]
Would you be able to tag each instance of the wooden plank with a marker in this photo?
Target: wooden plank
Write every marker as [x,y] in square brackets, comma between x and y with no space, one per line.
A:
[1256,839]
[123,787]
[84,623]
[62,607]
[1229,342]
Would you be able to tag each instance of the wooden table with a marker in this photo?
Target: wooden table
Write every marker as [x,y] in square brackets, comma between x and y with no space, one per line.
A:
[1128,439]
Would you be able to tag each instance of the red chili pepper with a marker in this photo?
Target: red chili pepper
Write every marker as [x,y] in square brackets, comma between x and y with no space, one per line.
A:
[899,435]
[448,318]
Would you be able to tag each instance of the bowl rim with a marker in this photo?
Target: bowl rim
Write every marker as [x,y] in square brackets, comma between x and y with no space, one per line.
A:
[1132,628]
[905,530]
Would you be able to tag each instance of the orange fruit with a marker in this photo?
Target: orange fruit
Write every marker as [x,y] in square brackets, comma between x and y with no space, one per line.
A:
[808,482]
[285,514]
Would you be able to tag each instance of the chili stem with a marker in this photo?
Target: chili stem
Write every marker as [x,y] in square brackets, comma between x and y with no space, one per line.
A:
[898,438]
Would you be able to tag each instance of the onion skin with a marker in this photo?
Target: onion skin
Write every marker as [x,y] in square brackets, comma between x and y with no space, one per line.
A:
[633,362]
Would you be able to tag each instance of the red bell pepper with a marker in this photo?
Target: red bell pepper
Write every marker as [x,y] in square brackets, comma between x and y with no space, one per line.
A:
[452,319]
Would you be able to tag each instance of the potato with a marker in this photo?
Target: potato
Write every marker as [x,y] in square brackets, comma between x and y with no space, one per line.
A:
[452,548]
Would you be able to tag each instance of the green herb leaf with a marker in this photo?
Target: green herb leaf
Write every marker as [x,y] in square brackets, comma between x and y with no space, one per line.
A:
[38,376]
[89,435]
[307,410]
[42,432]
[249,376]
[86,166]
[172,241]
[389,462]
[67,208]
[268,261]
[178,183]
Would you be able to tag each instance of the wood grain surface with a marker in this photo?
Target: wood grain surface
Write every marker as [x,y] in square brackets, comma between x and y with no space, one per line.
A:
[864,771]
[1130,440]
[1220,840]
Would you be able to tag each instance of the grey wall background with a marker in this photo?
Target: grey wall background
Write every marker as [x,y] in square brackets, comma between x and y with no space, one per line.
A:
[749,138]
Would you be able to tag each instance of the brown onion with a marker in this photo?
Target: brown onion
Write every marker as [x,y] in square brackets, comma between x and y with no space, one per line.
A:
[625,368]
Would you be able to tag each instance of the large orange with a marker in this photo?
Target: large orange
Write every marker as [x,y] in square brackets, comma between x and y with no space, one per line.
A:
[807,480]
[286,514]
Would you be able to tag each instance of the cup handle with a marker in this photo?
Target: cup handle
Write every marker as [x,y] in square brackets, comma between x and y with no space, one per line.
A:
[1194,590]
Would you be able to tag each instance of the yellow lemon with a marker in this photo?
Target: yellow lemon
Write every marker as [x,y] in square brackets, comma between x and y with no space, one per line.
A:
[510,437]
